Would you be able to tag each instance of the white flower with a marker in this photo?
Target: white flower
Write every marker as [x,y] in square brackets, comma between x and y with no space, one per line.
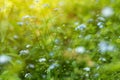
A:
[4,59]
[97,74]
[57,41]
[15,37]
[42,60]
[102,59]
[104,46]
[111,47]
[28,75]
[107,11]
[80,50]
[51,54]
[24,52]
[31,66]
[87,75]
[97,67]
[86,69]
[101,18]
[100,24]
[80,27]
[52,66]
[27,46]
[87,37]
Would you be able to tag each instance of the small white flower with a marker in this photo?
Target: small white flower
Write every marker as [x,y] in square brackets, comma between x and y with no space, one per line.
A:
[111,47]
[27,46]
[24,52]
[87,37]
[44,76]
[80,50]
[97,67]
[15,37]
[101,18]
[107,11]
[28,75]
[52,66]
[100,24]
[87,75]
[80,27]
[104,46]
[86,69]
[31,66]
[80,36]
[42,60]
[57,41]
[51,54]
[102,59]
[97,74]
[4,59]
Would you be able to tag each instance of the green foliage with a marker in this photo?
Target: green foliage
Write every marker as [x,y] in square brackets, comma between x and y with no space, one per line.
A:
[59,40]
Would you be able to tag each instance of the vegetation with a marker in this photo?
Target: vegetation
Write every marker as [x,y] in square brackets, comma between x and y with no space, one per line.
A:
[59,40]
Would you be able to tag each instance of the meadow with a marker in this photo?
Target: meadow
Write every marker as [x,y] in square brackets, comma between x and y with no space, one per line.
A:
[59,40]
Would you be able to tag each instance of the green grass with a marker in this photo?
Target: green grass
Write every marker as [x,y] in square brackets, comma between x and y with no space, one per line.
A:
[59,40]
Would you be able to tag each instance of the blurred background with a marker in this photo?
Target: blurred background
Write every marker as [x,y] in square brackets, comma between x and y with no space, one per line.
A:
[59,40]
